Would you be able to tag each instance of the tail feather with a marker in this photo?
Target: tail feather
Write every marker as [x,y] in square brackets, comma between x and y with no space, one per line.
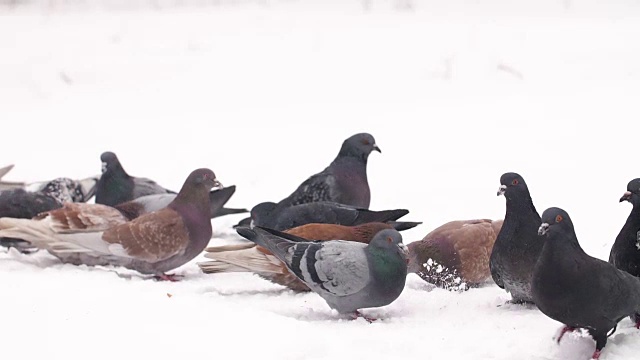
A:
[240,259]
[230,211]
[5,170]
[275,241]
[403,225]
[366,216]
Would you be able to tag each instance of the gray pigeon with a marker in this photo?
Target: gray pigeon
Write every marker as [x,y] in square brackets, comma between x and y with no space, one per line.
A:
[117,187]
[348,275]
[517,247]
[344,181]
[578,290]
[95,234]
[269,215]
[149,203]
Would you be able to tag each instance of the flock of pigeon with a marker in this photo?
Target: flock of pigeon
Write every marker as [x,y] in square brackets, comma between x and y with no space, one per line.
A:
[324,238]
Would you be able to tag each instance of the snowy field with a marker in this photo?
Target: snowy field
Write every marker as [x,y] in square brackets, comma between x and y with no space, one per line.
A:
[264,92]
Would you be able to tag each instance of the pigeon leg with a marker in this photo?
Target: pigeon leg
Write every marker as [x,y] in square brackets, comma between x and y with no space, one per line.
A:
[563,331]
[168,277]
[601,341]
[358,314]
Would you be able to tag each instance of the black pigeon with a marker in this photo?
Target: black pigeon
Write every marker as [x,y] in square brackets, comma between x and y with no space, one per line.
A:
[268,214]
[625,252]
[116,186]
[517,247]
[35,198]
[578,290]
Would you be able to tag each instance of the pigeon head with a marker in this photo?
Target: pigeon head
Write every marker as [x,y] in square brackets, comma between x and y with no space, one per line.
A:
[555,220]
[512,184]
[632,194]
[359,145]
[262,211]
[110,162]
[197,186]
[392,240]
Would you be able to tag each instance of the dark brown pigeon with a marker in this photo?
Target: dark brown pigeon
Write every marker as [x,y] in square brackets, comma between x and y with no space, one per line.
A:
[625,252]
[116,187]
[455,256]
[576,289]
[269,215]
[256,259]
[95,234]
[516,248]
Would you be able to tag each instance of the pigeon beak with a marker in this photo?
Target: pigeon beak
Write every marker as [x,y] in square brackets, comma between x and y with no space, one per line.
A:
[502,189]
[89,186]
[376,148]
[626,196]
[543,229]
[217,184]
[404,249]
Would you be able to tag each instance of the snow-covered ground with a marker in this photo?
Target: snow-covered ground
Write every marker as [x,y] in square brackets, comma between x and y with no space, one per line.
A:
[263,92]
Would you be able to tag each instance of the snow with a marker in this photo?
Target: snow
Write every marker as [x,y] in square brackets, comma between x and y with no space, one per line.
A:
[264,92]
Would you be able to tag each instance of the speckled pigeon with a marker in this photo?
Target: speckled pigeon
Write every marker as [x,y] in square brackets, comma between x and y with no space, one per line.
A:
[625,252]
[516,248]
[348,275]
[95,234]
[34,198]
[269,215]
[576,289]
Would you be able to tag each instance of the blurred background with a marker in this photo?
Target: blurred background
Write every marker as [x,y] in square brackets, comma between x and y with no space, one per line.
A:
[264,92]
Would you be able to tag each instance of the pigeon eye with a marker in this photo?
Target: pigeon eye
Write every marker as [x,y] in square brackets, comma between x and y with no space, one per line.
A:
[389,239]
[558,218]
[514,182]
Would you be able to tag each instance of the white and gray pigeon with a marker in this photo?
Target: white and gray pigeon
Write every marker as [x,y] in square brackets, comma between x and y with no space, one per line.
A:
[348,275]
[96,234]
[116,186]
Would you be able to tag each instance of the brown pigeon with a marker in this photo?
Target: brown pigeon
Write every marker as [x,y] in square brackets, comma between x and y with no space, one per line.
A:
[455,255]
[154,243]
[259,260]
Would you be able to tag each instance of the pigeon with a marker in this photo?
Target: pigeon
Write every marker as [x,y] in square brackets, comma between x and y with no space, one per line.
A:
[35,198]
[96,234]
[455,255]
[149,203]
[625,252]
[267,214]
[116,187]
[580,291]
[348,275]
[516,248]
[256,259]
[344,181]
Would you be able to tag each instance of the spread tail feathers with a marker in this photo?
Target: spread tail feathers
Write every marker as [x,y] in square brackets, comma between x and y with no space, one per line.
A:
[240,258]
